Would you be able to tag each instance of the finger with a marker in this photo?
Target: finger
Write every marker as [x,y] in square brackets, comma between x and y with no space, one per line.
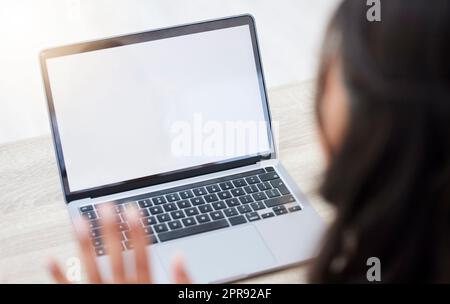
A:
[179,271]
[139,243]
[57,273]
[87,252]
[113,243]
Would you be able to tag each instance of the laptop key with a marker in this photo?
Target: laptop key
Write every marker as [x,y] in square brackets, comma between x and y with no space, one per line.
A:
[213,188]
[270,169]
[216,215]
[151,239]
[239,182]
[283,190]
[197,201]
[205,208]
[279,200]
[155,210]
[177,214]
[191,211]
[272,193]
[246,199]
[231,212]
[119,208]
[170,207]
[211,198]
[93,224]
[159,200]
[173,197]
[203,218]
[163,217]
[232,202]
[219,205]
[189,221]
[160,228]
[184,204]
[86,208]
[279,210]
[237,192]
[251,189]
[192,230]
[264,186]
[90,215]
[244,209]
[224,195]
[100,251]
[147,230]
[186,194]
[259,196]
[175,225]
[237,220]
[96,242]
[128,245]
[294,208]
[278,183]
[143,213]
[145,203]
[267,215]
[252,180]
[268,176]
[123,227]
[257,206]
[253,216]
[199,191]
[147,221]
[226,185]
[95,233]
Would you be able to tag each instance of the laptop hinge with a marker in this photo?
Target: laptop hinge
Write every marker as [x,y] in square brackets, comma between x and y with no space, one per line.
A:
[265,156]
[146,182]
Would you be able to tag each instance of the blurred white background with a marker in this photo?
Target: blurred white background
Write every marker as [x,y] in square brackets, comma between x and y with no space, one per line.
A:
[290,33]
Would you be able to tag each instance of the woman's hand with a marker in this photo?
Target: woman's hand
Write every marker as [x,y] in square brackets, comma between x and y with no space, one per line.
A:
[112,240]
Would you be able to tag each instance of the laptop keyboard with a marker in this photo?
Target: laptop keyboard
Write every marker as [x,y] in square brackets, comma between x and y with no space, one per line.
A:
[200,207]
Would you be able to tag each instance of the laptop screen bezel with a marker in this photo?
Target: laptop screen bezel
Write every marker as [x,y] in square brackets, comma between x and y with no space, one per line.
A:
[144,37]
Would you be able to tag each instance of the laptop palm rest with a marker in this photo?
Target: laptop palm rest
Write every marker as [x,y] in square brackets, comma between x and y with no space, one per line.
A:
[223,255]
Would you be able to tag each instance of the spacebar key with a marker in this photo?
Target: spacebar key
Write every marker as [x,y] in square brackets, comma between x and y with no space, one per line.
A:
[178,233]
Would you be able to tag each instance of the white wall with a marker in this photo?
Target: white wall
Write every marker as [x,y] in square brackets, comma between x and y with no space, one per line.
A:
[290,32]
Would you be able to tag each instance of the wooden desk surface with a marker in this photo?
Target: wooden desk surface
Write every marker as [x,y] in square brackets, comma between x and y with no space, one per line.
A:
[35,224]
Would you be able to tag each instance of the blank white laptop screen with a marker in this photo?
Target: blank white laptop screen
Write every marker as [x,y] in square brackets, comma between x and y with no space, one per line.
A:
[158,106]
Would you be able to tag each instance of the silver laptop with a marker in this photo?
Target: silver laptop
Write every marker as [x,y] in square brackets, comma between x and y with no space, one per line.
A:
[176,121]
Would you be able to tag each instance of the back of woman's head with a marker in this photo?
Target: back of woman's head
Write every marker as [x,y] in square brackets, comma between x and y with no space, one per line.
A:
[390,177]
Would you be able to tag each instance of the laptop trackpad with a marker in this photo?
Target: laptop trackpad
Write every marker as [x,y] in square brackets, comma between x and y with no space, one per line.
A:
[221,255]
